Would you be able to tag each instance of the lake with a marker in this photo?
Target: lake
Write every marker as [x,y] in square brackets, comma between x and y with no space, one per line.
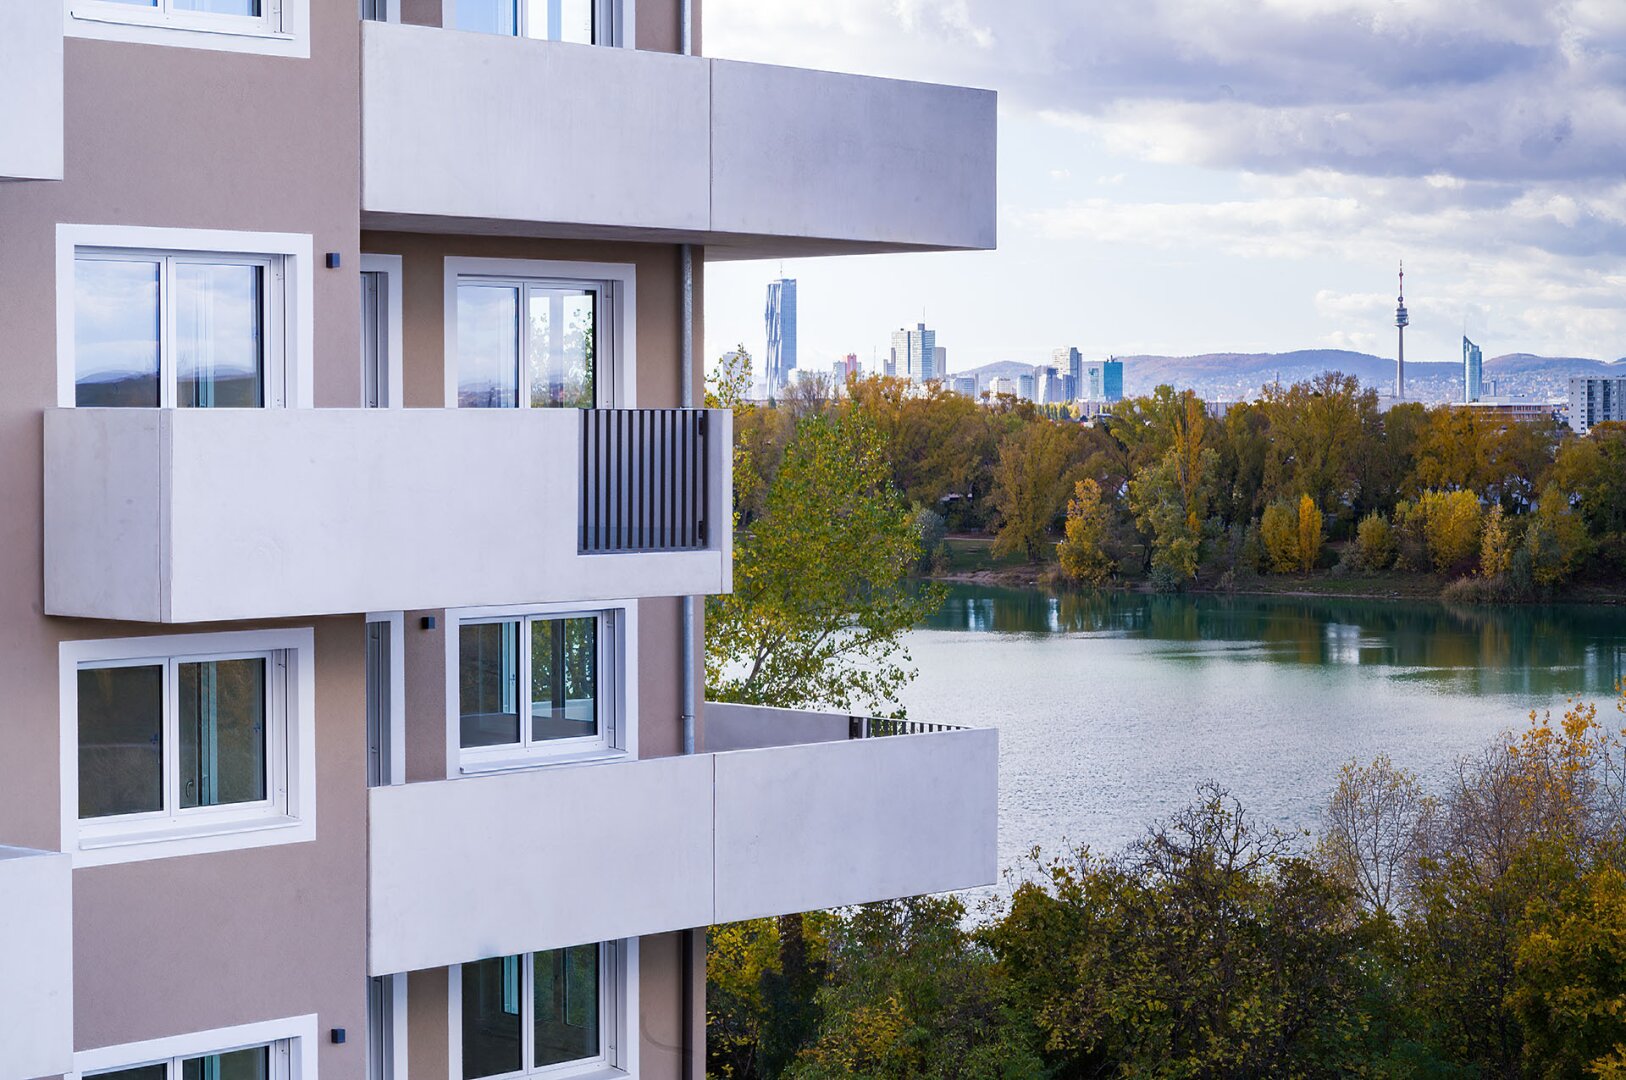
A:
[1112,708]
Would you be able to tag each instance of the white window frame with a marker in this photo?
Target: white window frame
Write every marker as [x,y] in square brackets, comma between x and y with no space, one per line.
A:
[615,347]
[619,17]
[393,337]
[288,816]
[618,1019]
[290,344]
[283,27]
[292,1040]
[617,687]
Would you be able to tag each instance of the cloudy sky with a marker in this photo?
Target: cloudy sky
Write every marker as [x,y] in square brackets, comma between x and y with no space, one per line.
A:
[1182,176]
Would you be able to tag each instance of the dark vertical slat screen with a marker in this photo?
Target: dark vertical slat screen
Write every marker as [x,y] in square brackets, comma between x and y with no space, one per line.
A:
[644,481]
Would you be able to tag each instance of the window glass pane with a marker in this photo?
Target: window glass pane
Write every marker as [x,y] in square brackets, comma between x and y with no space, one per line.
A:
[140,1072]
[252,1064]
[491,1017]
[221,711]
[221,7]
[487,345]
[115,309]
[564,678]
[121,740]
[219,341]
[488,680]
[561,348]
[560,20]
[488,16]
[567,1011]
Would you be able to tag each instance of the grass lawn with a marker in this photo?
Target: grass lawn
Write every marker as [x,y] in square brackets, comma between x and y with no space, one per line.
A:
[967,554]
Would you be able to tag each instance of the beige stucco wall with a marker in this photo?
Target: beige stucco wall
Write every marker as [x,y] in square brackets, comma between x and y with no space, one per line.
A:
[189,138]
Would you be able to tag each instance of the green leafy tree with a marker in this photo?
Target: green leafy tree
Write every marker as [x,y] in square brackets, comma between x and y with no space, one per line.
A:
[821,599]
[1375,541]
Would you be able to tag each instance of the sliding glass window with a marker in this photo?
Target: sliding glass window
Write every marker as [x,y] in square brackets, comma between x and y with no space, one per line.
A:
[527,344]
[535,1012]
[250,1063]
[551,664]
[179,740]
[176,330]
[576,21]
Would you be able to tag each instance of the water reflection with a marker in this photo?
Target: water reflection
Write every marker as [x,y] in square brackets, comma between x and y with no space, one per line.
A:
[1526,651]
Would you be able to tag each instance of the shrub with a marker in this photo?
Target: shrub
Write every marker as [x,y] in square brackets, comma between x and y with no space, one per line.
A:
[1375,542]
[1279,531]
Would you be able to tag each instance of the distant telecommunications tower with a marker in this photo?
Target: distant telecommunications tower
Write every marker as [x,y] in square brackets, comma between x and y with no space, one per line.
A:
[1401,319]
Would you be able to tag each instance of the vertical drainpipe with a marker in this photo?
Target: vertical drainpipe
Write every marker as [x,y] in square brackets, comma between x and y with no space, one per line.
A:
[691,690]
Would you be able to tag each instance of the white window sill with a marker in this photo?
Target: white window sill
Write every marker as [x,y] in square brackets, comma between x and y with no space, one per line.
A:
[139,27]
[199,839]
[523,762]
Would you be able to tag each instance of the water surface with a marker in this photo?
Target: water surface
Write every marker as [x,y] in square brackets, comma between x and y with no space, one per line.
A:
[1112,708]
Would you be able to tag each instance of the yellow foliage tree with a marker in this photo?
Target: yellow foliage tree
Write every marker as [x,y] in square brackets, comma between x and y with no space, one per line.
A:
[1376,541]
[1279,530]
[1496,546]
[1083,553]
[1311,533]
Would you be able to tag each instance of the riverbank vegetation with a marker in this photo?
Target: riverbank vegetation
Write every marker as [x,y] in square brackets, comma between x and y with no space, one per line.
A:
[1473,931]
[1311,484]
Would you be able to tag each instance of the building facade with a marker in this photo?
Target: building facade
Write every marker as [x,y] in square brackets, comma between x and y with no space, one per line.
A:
[914,354]
[1595,400]
[331,748]
[1103,381]
[780,319]
[1071,362]
[1473,372]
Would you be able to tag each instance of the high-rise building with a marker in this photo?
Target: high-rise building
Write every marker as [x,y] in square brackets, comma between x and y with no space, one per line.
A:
[1473,372]
[780,318]
[965,385]
[914,353]
[1027,386]
[939,363]
[1595,400]
[1103,380]
[315,719]
[1051,385]
[1070,361]
[850,368]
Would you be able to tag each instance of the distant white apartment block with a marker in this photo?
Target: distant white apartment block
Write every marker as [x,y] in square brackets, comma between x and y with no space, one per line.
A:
[1595,400]
[914,354]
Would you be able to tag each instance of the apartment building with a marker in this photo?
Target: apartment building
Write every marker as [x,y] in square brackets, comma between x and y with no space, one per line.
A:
[1595,400]
[356,508]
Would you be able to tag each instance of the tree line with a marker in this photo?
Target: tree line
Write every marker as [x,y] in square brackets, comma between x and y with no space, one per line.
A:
[1474,931]
[1312,477]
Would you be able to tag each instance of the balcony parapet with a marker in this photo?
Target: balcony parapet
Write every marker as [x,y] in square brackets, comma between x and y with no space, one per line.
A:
[36,963]
[202,515]
[651,846]
[750,160]
[31,90]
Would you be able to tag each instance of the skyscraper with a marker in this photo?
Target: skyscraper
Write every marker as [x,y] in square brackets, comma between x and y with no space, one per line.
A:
[1102,380]
[914,353]
[1473,372]
[781,321]
[939,362]
[1401,321]
[1071,362]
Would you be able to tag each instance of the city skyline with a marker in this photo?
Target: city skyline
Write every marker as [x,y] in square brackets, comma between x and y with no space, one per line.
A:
[1285,163]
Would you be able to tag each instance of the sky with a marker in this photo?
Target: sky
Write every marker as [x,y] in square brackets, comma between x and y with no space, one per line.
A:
[1191,176]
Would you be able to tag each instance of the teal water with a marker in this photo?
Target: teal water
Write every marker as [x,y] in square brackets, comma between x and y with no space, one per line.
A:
[1113,708]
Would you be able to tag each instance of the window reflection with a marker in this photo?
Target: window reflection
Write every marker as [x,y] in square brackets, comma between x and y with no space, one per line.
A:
[116,332]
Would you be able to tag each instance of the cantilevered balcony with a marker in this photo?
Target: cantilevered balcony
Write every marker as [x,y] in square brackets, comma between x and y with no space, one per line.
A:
[30,91]
[466,132]
[807,817]
[36,962]
[201,515]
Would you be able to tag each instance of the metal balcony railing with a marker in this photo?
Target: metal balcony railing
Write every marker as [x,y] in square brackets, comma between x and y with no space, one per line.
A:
[645,484]
[875,727]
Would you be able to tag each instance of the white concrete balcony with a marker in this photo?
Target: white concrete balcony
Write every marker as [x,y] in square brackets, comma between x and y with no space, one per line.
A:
[203,515]
[31,100]
[643,847]
[36,963]
[467,132]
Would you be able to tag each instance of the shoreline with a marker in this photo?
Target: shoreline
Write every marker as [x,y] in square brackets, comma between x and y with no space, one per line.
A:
[1392,587]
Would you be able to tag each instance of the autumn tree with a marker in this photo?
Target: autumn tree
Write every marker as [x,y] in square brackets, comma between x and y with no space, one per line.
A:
[1311,534]
[1082,553]
[1170,498]
[1375,832]
[1495,545]
[1030,487]
[1279,532]
[1375,541]
[821,598]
